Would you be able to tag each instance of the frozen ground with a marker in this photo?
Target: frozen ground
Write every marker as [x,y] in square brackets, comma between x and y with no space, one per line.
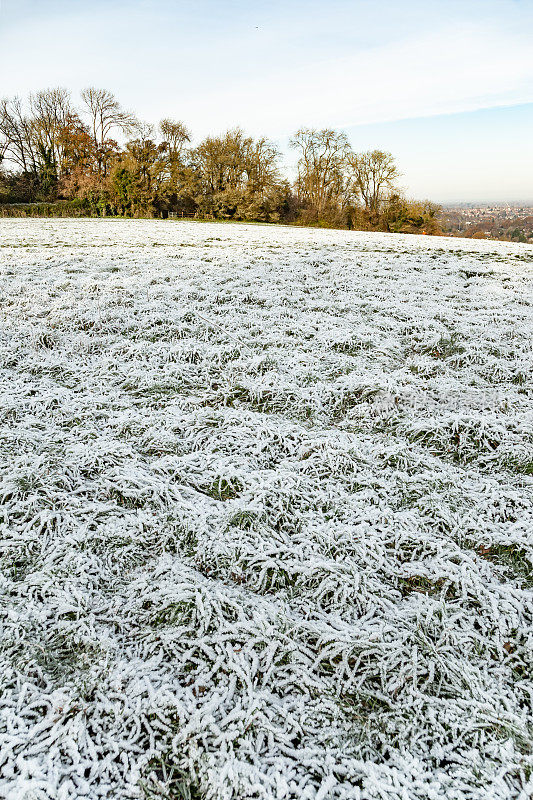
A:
[266,514]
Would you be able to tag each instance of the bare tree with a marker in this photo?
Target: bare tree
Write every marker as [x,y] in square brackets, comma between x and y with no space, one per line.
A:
[262,166]
[374,175]
[17,132]
[176,136]
[105,115]
[321,166]
[141,131]
[4,141]
[52,113]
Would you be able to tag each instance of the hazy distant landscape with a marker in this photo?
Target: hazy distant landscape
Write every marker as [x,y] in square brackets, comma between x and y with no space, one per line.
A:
[512,222]
[267,501]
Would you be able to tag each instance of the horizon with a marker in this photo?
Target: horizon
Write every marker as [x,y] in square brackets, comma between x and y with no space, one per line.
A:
[458,120]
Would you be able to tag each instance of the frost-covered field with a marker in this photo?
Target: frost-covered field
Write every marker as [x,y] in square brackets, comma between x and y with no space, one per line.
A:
[266,514]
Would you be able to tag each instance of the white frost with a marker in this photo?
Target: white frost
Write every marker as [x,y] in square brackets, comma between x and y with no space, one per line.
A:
[266,513]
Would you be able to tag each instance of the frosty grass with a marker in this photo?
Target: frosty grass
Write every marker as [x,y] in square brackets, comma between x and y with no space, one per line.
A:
[266,513]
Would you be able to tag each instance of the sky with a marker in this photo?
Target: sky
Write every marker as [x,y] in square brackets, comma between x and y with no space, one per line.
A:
[446,86]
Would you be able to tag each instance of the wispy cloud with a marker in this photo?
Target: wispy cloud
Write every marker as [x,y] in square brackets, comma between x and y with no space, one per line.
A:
[440,73]
[354,62]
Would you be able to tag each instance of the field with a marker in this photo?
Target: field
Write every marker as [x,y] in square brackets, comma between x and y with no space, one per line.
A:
[266,514]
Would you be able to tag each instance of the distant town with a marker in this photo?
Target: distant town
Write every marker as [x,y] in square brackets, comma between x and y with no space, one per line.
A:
[511,222]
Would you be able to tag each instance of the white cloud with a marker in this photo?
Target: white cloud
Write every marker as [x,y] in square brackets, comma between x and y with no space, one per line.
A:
[277,77]
[440,73]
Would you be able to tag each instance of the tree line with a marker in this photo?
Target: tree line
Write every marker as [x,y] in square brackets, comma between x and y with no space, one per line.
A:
[66,158]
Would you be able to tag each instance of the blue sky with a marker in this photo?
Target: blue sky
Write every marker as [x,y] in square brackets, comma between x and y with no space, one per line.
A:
[447,86]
